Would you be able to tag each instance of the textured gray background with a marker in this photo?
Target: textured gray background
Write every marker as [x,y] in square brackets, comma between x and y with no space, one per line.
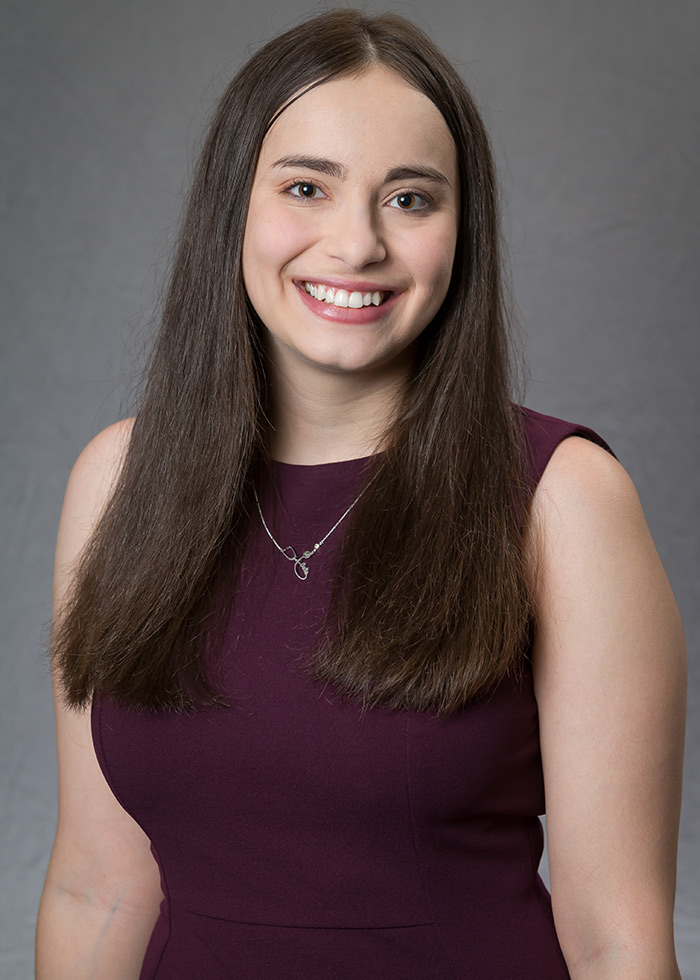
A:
[593,110]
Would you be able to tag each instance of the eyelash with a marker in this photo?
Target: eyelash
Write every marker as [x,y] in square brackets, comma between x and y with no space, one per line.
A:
[427,202]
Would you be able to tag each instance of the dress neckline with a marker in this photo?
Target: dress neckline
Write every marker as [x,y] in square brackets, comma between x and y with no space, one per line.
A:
[322,468]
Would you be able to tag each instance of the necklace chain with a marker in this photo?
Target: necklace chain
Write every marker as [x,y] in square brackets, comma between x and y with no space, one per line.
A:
[301,569]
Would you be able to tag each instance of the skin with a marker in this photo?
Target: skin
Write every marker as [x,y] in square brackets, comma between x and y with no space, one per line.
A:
[610,681]
[609,658]
[332,376]
[102,891]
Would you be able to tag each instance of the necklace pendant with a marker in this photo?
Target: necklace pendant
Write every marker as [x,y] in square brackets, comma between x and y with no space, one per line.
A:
[301,569]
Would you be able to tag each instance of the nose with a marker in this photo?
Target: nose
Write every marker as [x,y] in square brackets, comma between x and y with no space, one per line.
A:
[356,237]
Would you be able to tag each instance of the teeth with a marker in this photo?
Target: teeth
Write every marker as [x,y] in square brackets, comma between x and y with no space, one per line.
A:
[341,297]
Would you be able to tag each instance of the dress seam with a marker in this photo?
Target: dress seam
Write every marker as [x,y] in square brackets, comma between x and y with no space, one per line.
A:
[287,925]
[168,905]
[416,852]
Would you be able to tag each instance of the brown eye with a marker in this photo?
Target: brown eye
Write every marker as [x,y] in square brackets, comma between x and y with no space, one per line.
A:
[408,201]
[304,190]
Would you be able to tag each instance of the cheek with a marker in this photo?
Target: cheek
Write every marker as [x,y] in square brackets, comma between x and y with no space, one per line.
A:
[272,239]
[431,262]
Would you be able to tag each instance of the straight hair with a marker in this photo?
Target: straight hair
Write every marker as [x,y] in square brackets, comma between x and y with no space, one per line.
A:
[422,634]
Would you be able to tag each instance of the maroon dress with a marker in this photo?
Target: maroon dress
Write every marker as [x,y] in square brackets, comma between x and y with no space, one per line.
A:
[301,839]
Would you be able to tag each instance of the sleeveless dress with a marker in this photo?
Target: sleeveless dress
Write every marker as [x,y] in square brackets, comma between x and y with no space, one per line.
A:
[303,839]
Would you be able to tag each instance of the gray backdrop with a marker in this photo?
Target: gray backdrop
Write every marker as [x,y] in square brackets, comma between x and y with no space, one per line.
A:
[592,105]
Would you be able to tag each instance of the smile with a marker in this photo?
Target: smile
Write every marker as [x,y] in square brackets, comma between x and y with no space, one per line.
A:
[344,298]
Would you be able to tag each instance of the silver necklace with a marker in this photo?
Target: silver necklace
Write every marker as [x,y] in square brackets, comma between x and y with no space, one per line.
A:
[301,569]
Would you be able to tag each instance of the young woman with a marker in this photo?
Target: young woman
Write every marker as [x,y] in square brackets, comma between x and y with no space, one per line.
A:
[334,618]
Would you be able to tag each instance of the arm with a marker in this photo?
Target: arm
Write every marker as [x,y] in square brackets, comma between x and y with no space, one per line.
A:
[102,890]
[609,665]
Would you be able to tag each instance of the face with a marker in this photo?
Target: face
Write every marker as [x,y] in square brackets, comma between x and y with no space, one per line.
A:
[352,226]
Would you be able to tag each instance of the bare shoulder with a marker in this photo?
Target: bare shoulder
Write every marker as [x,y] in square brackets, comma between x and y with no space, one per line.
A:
[586,517]
[99,464]
[589,539]
[90,483]
[584,476]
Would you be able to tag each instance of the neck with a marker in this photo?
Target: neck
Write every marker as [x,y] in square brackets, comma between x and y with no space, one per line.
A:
[326,417]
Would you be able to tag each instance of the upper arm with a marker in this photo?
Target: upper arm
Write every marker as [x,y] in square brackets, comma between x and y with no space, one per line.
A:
[609,668]
[98,845]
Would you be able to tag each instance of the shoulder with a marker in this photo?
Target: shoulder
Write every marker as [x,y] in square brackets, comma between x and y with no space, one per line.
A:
[586,518]
[98,466]
[597,573]
[573,475]
[543,434]
[105,451]
[90,484]
[584,477]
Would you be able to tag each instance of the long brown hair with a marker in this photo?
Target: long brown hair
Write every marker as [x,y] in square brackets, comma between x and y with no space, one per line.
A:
[428,634]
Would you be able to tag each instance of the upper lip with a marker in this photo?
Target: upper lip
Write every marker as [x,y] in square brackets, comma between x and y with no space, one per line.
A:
[359,286]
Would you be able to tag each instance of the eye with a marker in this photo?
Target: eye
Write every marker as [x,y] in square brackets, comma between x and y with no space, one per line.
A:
[305,190]
[408,201]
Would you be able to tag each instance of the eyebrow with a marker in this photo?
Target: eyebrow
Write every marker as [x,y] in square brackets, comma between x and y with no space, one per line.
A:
[417,173]
[336,170]
[317,164]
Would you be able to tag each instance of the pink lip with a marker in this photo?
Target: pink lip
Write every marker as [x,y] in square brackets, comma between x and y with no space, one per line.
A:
[346,314]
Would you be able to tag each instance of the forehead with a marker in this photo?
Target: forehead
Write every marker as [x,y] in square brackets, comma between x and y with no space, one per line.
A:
[373,119]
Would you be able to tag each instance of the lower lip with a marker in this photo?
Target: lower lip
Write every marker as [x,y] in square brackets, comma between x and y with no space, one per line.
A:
[347,314]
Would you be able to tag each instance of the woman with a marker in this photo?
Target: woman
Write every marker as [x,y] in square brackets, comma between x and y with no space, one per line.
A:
[344,615]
